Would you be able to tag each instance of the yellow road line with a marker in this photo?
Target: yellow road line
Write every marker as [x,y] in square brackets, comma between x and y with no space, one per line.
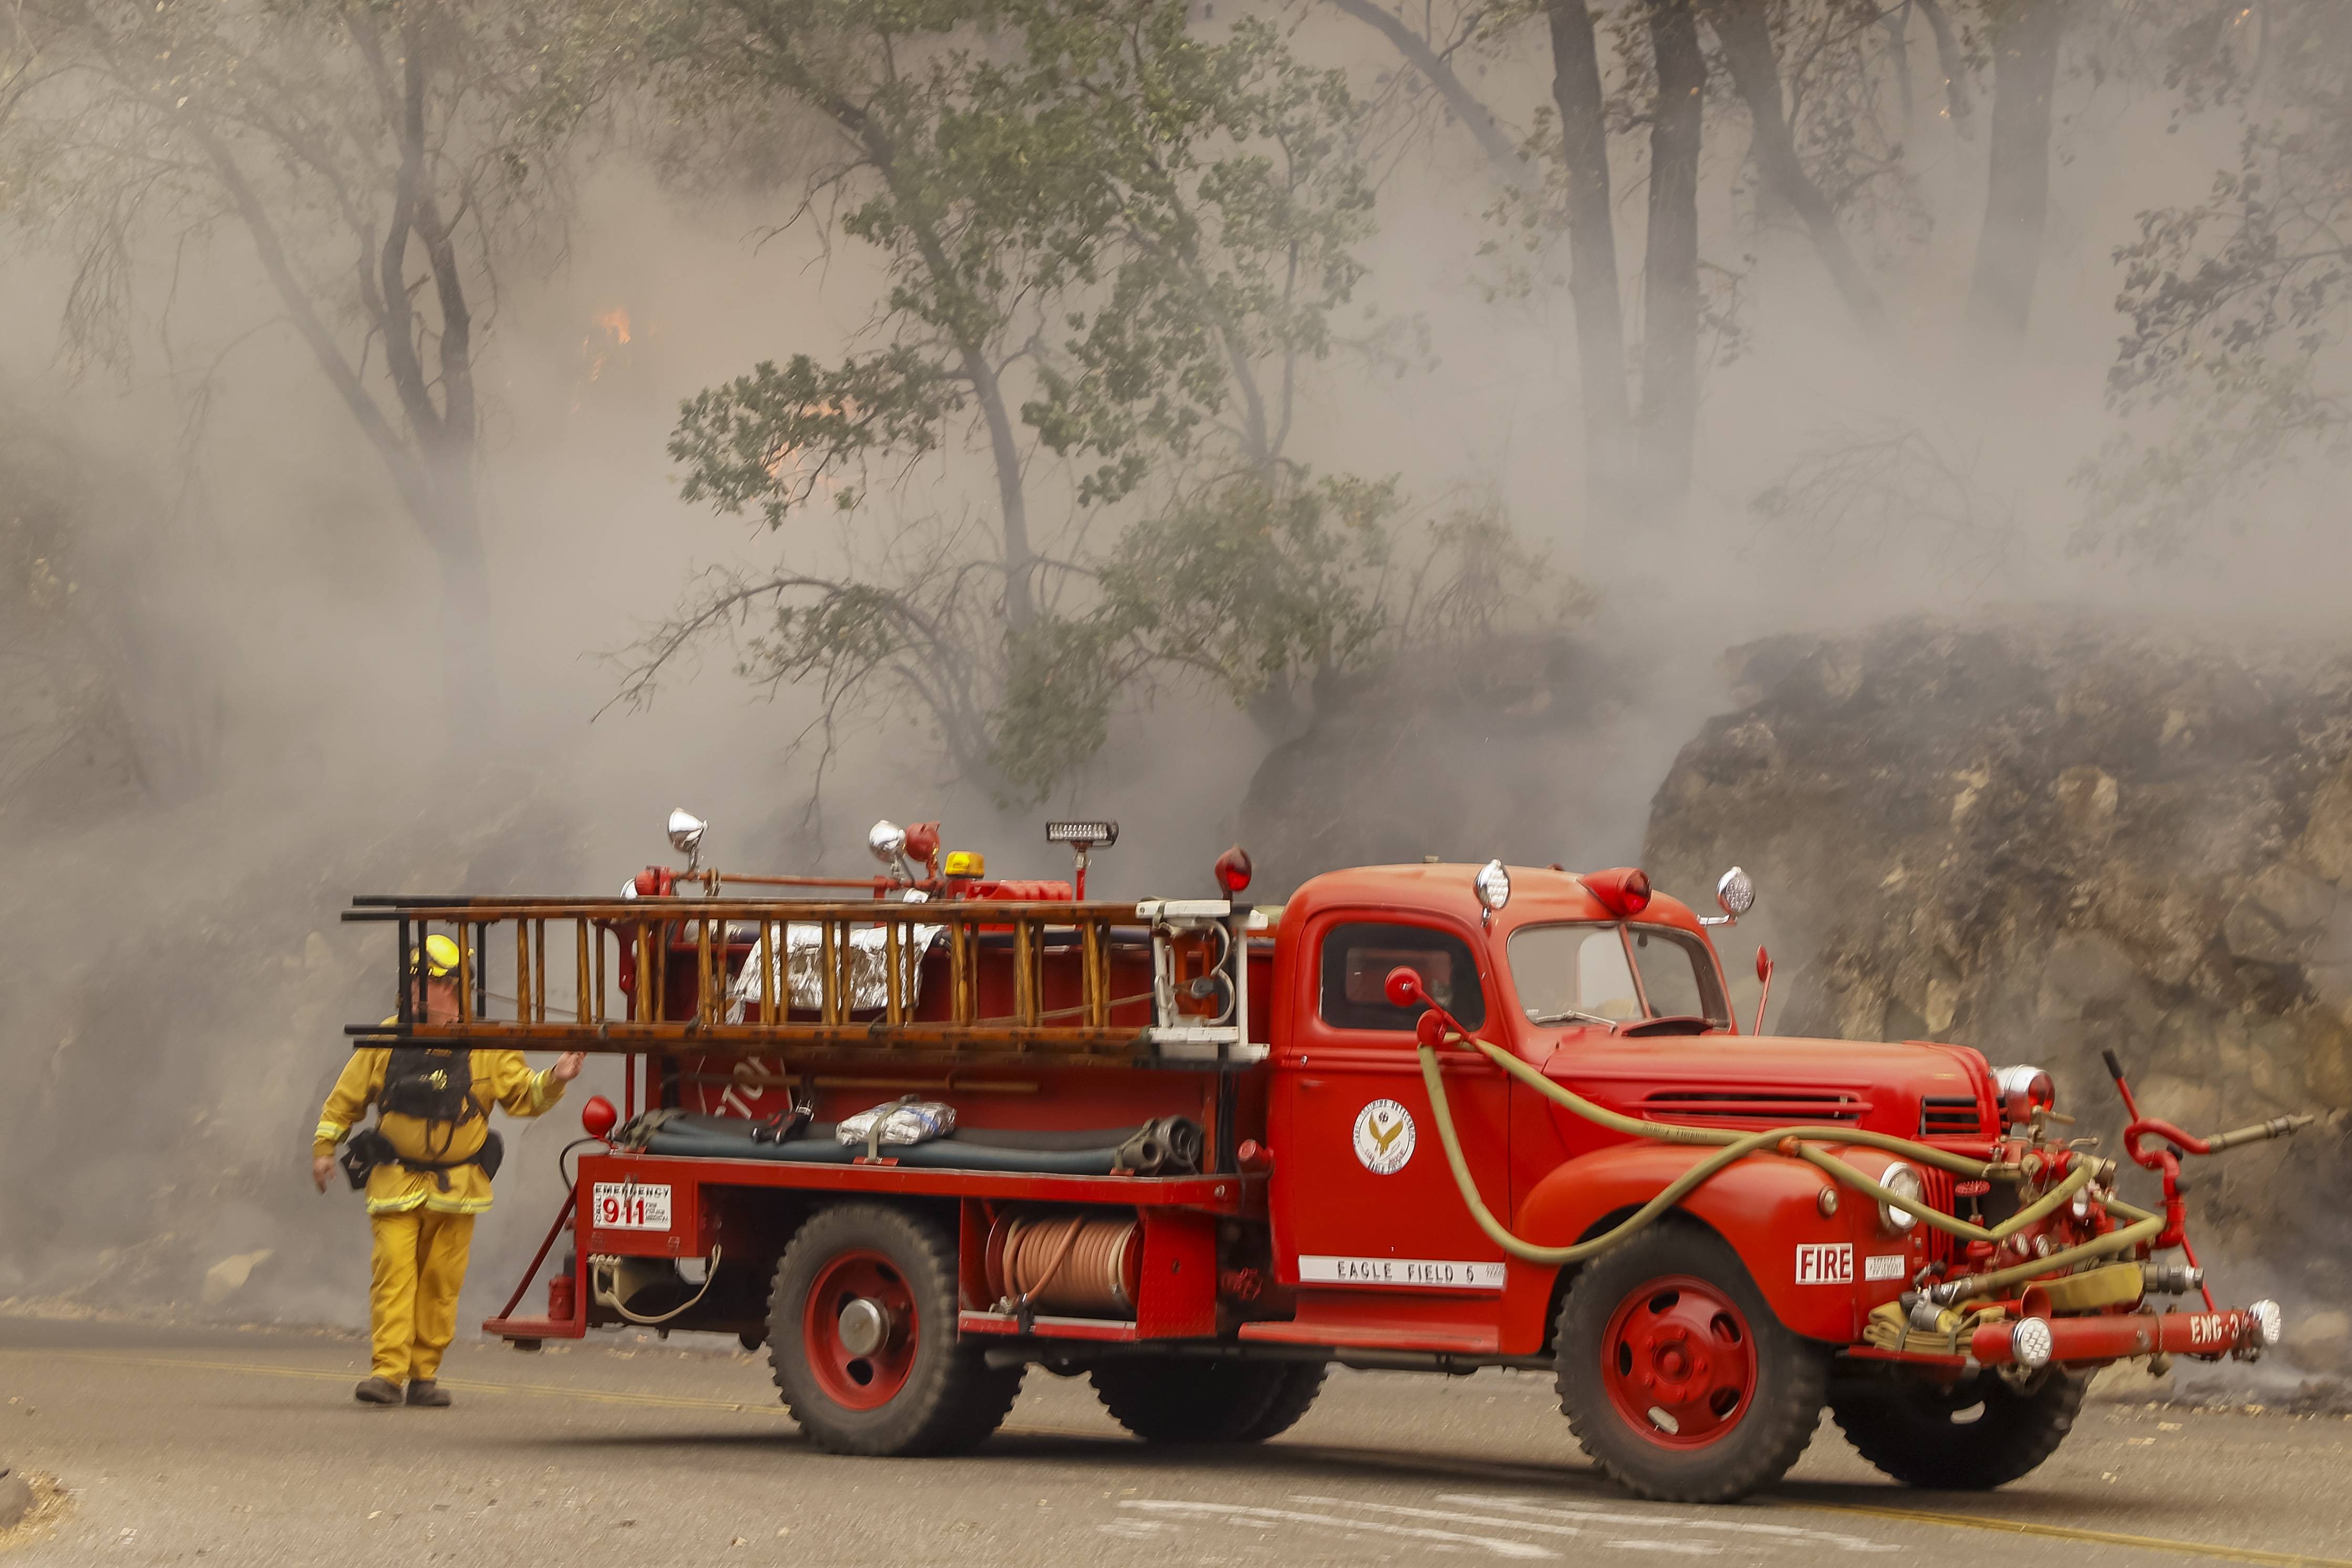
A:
[467,1386]
[2069,1532]
[682,1402]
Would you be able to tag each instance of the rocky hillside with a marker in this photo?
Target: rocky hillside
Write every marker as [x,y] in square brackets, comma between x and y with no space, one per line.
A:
[2043,839]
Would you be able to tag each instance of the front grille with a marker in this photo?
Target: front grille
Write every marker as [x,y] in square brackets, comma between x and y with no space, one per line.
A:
[1937,1189]
[1752,1107]
[1950,1116]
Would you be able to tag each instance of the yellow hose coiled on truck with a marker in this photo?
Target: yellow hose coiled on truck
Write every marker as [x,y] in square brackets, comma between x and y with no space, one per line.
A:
[1732,1147]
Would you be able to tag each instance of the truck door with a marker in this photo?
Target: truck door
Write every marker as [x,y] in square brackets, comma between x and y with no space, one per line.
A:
[1362,1198]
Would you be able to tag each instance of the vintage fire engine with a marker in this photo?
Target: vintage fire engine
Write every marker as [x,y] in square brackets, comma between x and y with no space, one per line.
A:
[1421,1117]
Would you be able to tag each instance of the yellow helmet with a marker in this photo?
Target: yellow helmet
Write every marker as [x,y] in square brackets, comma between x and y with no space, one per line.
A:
[440,956]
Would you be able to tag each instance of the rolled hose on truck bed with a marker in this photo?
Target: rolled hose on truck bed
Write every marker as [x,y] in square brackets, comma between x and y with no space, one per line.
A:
[1732,1147]
[1092,1153]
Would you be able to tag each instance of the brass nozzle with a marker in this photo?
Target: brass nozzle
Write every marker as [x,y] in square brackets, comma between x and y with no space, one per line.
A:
[2276,1126]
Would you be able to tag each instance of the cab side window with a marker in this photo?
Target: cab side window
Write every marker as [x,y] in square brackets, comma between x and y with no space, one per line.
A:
[1357,958]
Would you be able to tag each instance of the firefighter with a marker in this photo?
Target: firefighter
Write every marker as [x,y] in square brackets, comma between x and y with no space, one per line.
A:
[427,1165]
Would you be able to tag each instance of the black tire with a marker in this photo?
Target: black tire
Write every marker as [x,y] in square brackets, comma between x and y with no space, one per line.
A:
[941,1396]
[1757,1388]
[1296,1385]
[1179,1399]
[1915,1432]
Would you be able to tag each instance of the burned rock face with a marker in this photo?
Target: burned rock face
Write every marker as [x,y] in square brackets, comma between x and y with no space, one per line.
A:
[2041,839]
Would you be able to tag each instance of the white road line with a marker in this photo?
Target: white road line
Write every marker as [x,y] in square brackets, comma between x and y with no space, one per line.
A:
[1449,1515]
[1682,1548]
[1238,1513]
[1570,1512]
[1685,1548]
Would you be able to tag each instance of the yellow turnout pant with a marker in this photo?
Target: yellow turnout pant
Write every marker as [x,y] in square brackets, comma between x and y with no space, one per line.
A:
[419,1263]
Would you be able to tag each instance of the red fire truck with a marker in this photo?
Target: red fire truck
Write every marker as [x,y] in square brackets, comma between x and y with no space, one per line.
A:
[921,1131]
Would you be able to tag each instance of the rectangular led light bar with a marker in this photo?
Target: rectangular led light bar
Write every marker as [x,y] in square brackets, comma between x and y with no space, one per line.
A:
[1088,834]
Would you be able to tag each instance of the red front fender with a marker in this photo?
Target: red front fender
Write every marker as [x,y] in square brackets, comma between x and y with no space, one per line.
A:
[1767,1206]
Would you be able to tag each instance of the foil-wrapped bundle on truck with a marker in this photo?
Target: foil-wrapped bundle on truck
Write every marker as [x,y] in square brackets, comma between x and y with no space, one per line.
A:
[920,1132]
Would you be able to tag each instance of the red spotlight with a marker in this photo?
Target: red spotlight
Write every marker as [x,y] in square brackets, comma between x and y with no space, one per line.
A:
[1234,871]
[1623,892]
[598,1116]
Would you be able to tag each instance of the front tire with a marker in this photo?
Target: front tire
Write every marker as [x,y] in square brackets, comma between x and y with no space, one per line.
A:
[1675,1376]
[862,1337]
[1982,1433]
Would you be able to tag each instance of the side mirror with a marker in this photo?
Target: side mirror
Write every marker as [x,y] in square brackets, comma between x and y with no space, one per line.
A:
[1402,987]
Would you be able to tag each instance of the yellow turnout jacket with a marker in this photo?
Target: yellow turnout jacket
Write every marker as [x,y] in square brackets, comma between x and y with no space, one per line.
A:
[500,1078]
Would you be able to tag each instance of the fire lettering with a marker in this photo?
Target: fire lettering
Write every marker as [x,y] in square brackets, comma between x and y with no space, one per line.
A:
[1825,1264]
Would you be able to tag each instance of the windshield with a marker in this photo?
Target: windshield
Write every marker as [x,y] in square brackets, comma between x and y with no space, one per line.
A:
[1595,974]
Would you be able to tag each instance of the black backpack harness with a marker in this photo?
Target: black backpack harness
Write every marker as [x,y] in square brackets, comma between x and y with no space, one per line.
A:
[436,1087]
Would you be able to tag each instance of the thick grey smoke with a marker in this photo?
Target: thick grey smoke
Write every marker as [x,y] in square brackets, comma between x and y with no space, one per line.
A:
[261,623]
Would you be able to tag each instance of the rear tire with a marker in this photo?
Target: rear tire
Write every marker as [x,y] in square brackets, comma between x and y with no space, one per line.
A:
[1177,1399]
[1296,1385]
[1675,1376]
[1913,1431]
[862,1337]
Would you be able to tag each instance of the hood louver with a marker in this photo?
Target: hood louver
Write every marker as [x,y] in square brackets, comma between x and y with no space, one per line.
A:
[1753,1108]
[1950,1116]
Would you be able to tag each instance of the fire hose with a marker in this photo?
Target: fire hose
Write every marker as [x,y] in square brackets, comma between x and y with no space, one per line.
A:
[1731,1148]
[1437,1028]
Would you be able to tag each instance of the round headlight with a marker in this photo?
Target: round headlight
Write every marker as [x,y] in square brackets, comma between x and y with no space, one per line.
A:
[1494,885]
[2030,1343]
[1905,1181]
[2270,1322]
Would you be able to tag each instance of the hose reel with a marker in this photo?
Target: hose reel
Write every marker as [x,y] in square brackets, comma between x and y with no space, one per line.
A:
[1071,1263]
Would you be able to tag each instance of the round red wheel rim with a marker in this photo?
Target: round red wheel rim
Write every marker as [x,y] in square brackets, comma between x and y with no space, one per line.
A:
[1679,1361]
[868,1380]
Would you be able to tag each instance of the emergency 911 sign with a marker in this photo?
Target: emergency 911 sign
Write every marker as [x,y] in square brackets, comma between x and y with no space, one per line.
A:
[630,1206]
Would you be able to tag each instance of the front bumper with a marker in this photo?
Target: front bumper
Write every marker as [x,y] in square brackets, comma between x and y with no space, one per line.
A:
[2242,1331]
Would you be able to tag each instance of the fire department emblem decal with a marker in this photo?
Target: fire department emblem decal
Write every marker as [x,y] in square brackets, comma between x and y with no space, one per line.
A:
[1384,1137]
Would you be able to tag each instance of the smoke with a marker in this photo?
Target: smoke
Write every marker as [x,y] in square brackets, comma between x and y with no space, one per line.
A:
[178,980]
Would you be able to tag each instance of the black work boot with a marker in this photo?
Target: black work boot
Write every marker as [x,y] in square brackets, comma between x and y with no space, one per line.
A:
[377,1391]
[425,1391]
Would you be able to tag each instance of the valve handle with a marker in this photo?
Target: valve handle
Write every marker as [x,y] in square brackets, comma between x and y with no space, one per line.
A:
[2123,1085]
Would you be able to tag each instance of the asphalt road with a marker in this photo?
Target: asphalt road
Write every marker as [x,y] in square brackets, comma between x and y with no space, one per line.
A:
[180,1446]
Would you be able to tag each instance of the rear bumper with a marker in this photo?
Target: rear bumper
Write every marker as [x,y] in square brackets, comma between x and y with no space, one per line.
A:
[2242,1331]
